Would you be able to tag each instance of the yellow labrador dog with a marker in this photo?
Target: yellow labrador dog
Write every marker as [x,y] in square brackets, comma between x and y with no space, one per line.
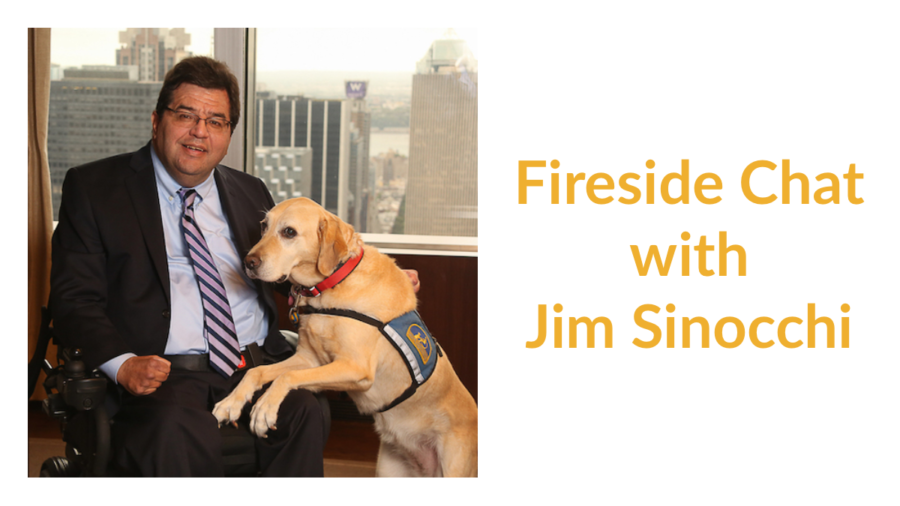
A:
[433,431]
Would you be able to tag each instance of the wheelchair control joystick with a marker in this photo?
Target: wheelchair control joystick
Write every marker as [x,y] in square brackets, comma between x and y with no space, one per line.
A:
[75,388]
[71,388]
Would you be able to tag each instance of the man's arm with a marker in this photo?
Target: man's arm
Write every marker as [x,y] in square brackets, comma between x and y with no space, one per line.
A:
[78,294]
[78,289]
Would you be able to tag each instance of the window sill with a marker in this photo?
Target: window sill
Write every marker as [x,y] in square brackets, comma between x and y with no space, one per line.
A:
[423,244]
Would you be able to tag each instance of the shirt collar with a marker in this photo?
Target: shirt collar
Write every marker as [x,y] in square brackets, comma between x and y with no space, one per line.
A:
[169,187]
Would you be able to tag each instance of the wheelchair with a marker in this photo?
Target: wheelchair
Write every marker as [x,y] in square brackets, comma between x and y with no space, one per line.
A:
[77,398]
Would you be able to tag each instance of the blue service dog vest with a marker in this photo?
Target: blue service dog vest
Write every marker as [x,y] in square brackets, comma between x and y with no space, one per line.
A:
[409,336]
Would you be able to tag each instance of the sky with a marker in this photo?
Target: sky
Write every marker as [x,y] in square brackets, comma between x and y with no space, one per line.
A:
[73,47]
[369,49]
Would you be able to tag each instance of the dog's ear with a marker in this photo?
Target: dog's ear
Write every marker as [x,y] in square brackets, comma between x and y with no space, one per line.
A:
[332,243]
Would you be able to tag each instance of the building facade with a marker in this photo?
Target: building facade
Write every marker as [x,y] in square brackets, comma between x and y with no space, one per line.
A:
[442,189]
[334,135]
[153,50]
[102,115]
[286,171]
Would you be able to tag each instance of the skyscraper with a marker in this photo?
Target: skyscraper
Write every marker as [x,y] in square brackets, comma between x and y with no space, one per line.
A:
[96,112]
[286,171]
[335,132]
[442,192]
[153,50]
[359,184]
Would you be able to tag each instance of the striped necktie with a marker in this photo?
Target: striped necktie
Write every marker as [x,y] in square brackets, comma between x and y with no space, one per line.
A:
[224,351]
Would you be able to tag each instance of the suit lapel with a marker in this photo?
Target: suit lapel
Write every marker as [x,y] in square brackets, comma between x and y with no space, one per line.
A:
[241,213]
[231,205]
[141,187]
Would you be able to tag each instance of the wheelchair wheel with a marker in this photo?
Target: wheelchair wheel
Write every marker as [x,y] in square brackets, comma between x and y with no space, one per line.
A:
[56,467]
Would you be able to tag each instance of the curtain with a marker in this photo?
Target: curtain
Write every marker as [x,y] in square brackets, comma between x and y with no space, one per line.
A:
[40,209]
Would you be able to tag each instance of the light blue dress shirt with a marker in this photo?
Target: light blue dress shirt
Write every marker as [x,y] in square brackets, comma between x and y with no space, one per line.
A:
[186,335]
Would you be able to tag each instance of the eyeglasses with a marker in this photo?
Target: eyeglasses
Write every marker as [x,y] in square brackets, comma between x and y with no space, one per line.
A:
[189,120]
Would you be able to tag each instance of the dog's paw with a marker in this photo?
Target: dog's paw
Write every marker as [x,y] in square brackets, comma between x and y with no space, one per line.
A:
[265,411]
[228,409]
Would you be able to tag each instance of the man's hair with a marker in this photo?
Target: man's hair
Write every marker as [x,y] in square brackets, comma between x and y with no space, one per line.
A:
[205,73]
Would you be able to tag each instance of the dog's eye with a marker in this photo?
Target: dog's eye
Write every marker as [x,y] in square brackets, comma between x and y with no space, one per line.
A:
[263,226]
[288,232]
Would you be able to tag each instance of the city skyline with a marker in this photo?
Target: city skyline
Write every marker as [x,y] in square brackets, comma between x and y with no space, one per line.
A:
[312,139]
[278,49]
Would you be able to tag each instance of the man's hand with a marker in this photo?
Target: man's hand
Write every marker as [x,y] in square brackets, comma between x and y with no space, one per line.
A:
[413,278]
[143,375]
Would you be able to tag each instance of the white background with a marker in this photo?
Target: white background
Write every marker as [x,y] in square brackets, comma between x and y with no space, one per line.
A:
[603,89]
[606,90]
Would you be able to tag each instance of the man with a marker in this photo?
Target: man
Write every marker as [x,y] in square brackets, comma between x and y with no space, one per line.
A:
[147,280]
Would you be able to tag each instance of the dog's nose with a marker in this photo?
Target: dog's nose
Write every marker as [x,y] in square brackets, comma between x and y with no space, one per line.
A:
[251,262]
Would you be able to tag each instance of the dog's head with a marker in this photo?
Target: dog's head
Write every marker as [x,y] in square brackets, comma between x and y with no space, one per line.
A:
[302,242]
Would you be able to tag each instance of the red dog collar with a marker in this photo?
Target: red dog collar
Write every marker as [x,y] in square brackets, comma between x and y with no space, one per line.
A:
[336,277]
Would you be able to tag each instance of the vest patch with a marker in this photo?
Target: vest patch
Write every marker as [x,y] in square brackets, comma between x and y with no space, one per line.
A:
[415,343]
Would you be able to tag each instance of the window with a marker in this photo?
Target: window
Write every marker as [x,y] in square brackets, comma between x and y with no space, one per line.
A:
[100,104]
[379,126]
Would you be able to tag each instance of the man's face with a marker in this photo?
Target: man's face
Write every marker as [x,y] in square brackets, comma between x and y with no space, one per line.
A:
[190,153]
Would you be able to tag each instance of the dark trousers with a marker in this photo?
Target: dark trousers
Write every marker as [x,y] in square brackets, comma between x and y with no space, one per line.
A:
[172,431]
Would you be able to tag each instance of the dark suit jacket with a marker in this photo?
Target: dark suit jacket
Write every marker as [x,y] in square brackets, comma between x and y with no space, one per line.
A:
[110,280]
